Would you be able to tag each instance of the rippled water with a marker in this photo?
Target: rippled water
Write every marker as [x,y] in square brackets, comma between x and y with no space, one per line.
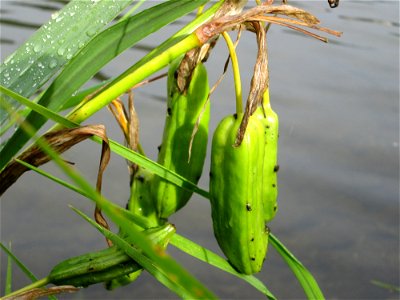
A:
[339,155]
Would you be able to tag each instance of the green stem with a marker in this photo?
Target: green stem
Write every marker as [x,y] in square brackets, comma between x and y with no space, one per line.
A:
[236,72]
[37,284]
[141,72]
[266,102]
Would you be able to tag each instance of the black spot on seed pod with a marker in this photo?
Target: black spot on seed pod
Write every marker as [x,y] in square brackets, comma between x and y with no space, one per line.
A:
[268,126]
[159,148]
[140,178]
[91,269]
[176,74]
[211,175]
[253,258]
[169,111]
[248,207]
[252,240]
[276,168]
[273,185]
[275,208]
[235,116]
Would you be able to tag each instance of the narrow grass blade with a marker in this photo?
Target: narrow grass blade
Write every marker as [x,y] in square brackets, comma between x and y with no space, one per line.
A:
[162,267]
[386,286]
[54,44]
[101,49]
[217,261]
[305,278]
[8,285]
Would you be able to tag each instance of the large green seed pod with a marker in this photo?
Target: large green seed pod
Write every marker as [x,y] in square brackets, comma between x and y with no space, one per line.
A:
[270,121]
[235,190]
[182,113]
[104,265]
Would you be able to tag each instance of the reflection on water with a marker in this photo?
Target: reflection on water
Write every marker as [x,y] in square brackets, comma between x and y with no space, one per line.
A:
[339,157]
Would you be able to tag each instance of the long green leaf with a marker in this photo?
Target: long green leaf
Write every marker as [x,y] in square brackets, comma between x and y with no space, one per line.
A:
[91,58]
[305,278]
[215,260]
[55,43]
[162,267]
[115,147]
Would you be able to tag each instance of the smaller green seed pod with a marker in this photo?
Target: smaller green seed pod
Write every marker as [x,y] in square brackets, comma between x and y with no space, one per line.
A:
[106,264]
[141,201]
[183,111]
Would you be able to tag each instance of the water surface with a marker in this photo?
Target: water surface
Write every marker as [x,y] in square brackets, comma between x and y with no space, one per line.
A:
[338,105]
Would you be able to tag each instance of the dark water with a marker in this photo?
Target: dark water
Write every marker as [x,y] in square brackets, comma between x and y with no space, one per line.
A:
[339,155]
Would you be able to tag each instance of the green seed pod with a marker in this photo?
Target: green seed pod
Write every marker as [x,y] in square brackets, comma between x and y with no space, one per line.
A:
[183,112]
[105,264]
[235,190]
[141,202]
[270,121]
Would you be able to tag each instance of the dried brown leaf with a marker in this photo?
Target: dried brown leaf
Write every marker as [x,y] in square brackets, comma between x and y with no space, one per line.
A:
[43,292]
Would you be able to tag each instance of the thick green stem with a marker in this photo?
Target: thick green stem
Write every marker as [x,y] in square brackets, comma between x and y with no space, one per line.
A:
[236,72]
[141,72]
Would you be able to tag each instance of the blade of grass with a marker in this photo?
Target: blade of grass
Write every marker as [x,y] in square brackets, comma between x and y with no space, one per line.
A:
[54,44]
[162,267]
[101,49]
[114,146]
[387,286]
[307,281]
[8,285]
[217,261]
[167,265]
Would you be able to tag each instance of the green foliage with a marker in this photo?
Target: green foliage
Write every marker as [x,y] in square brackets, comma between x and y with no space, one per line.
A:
[79,58]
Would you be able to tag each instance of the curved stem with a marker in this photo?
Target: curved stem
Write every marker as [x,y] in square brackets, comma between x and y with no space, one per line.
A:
[236,72]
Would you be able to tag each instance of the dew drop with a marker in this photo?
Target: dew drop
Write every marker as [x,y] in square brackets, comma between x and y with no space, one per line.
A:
[55,15]
[52,63]
[91,32]
[69,55]
[61,51]
[37,48]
